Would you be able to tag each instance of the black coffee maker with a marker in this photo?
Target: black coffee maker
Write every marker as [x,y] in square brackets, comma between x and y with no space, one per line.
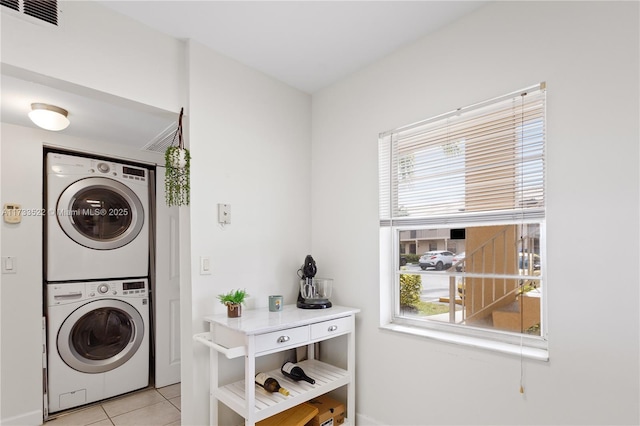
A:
[313,292]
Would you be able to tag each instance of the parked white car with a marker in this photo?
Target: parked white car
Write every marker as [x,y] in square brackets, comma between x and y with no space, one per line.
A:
[459,258]
[440,260]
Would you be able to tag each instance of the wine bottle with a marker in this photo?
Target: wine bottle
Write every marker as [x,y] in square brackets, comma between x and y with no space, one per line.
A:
[295,372]
[270,384]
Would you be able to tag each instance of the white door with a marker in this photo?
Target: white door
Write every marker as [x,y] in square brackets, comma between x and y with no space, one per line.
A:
[167,289]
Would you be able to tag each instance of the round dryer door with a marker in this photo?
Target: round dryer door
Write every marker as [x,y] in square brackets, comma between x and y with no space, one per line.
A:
[100,213]
[100,336]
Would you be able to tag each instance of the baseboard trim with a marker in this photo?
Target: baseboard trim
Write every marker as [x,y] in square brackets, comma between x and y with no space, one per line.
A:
[33,418]
[362,420]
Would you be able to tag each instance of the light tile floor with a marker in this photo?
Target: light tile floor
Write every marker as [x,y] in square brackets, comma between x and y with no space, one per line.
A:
[149,407]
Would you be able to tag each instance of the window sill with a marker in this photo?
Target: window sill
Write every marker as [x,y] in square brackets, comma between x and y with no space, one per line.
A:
[502,347]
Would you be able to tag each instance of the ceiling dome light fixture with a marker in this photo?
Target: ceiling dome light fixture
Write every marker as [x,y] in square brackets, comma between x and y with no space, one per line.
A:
[49,117]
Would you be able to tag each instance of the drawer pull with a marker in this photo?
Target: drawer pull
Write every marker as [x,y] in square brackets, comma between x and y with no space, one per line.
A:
[283,339]
[332,328]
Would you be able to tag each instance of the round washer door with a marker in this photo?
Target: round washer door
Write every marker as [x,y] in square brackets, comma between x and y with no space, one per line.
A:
[100,336]
[100,213]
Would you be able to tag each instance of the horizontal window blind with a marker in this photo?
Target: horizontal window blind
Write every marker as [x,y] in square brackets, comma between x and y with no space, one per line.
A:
[482,161]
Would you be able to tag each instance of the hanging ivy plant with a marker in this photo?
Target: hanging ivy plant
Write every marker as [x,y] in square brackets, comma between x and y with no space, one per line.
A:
[177,161]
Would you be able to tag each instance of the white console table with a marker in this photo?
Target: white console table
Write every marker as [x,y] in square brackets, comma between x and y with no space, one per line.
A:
[260,332]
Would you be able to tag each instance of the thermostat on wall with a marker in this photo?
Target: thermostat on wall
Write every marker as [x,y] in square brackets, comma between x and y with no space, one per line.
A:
[12,213]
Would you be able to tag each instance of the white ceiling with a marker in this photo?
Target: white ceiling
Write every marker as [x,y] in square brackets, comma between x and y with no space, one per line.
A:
[103,118]
[305,44]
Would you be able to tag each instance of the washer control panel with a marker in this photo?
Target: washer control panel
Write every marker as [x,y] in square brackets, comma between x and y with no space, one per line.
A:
[63,293]
[98,289]
[136,288]
[103,167]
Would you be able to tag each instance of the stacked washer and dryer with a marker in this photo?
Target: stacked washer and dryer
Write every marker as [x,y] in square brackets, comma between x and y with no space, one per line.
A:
[97,286]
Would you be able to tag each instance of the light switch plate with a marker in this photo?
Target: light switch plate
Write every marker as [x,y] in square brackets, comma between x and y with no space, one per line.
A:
[9,265]
[224,213]
[205,265]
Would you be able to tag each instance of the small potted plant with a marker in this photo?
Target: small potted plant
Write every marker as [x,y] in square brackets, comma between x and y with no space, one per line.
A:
[234,300]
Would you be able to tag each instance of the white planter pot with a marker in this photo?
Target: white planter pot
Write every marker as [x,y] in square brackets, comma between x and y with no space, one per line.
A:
[179,159]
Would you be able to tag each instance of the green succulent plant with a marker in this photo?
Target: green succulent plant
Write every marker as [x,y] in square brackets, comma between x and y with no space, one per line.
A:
[177,160]
[234,297]
[177,183]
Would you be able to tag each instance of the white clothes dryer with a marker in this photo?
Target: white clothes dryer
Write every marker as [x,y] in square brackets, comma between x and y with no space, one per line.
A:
[97,341]
[97,219]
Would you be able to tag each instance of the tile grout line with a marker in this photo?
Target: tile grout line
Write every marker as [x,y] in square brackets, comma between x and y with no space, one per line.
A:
[157,391]
[120,398]
[106,413]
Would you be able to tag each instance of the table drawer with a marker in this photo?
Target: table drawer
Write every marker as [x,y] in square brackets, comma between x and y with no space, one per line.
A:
[334,327]
[282,339]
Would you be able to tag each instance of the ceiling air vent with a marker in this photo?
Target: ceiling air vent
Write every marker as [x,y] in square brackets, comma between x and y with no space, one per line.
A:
[163,140]
[42,10]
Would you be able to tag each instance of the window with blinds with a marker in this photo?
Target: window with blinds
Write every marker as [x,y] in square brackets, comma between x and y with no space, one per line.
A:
[462,221]
[482,160]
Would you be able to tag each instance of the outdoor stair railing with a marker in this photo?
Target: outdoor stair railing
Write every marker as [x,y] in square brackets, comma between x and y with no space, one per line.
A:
[490,282]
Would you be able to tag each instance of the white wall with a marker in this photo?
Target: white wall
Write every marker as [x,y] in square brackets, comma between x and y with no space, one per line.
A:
[250,138]
[587,52]
[21,309]
[96,48]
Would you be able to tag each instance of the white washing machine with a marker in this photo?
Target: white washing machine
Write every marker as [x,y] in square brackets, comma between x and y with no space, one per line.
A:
[97,219]
[97,341]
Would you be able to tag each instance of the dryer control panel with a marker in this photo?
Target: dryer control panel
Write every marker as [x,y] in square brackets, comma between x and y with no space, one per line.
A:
[70,165]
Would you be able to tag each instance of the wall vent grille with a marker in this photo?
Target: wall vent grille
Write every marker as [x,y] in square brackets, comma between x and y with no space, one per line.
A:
[42,10]
[164,140]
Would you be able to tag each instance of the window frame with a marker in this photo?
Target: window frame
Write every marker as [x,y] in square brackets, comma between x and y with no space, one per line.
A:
[523,345]
[512,338]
